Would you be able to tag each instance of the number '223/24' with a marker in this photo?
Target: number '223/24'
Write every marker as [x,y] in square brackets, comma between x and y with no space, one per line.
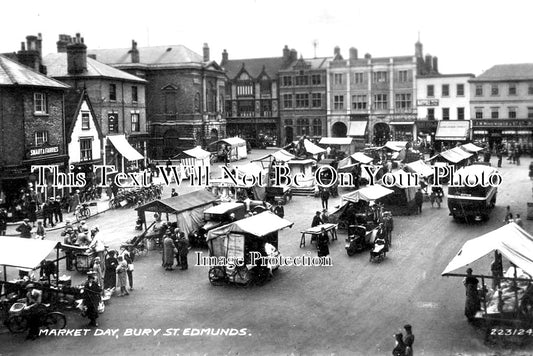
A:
[510,332]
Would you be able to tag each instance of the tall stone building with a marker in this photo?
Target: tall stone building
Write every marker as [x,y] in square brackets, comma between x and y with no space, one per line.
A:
[32,129]
[184,94]
[252,95]
[372,99]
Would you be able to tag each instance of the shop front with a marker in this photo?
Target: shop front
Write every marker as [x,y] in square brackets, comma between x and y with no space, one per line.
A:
[426,131]
[358,131]
[119,153]
[402,130]
[450,133]
[498,133]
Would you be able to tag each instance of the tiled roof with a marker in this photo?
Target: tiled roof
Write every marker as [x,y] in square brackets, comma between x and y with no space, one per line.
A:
[73,100]
[314,63]
[14,73]
[522,71]
[175,54]
[56,64]
[254,67]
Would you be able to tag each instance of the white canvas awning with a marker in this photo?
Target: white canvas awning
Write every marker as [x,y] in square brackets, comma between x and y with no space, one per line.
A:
[197,152]
[396,145]
[234,141]
[123,146]
[455,155]
[357,128]
[280,155]
[452,130]
[24,253]
[510,240]
[336,141]
[369,193]
[420,168]
[361,157]
[311,148]
[258,225]
[470,147]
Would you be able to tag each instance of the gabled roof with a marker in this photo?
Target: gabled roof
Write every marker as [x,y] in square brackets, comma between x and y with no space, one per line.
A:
[254,67]
[172,54]
[501,72]
[14,73]
[56,64]
[73,100]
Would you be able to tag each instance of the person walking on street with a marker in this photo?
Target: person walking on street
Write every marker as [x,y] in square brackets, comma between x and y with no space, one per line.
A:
[91,298]
[47,213]
[110,276]
[496,268]
[324,196]
[129,260]
[122,276]
[419,200]
[500,157]
[98,270]
[322,243]
[56,209]
[183,250]
[168,251]
[472,297]
[25,229]
[409,340]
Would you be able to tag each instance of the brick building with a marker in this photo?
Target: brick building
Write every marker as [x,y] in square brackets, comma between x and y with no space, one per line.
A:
[117,97]
[501,106]
[31,124]
[184,94]
[302,92]
[252,95]
[372,99]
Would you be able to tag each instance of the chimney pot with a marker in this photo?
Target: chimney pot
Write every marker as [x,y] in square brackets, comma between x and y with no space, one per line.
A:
[353,53]
[206,52]
[224,57]
[76,56]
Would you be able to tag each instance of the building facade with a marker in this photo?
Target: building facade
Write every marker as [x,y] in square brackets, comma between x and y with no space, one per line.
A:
[443,98]
[373,99]
[303,105]
[252,95]
[117,97]
[501,106]
[31,130]
[184,94]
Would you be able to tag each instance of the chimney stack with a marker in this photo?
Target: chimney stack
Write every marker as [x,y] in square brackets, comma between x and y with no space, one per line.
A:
[428,63]
[77,56]
[224,58]
[436,65]
[134,52]
[368,56]
[29,54]
[353,53]
[64,41]
[293,55]
[286,53]
[206,52]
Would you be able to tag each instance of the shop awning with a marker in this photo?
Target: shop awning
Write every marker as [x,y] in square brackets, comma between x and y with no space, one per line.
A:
[510,240]
[401,123]
[357,128]
[452,130]
[336,140]
[361,157]
[24,253]
[470,147]
[369,193]
[123,146]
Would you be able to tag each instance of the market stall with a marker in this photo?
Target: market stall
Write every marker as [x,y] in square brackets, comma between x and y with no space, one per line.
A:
[192,160]
[402,200]
[338,144]
[269,162]
[512,299]
[236,145]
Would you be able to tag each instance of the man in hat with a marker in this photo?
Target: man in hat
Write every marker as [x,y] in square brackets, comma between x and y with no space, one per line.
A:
[419,200]
[472,298]
[25,229]
[316,220]
[183,250]
[48,213]
[33,311]
[56,209]
[91,297]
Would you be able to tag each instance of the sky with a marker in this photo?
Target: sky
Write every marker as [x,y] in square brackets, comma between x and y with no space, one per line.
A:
[468,36]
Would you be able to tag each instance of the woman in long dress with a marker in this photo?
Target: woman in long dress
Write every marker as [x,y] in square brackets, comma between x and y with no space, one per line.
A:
[168,251]
[110,278]
[122,276]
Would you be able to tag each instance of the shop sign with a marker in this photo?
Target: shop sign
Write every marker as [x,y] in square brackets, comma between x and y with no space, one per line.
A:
[427,102]
[41,151]
[502,123]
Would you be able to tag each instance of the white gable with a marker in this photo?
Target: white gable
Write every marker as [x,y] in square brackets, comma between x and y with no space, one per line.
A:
[80,133]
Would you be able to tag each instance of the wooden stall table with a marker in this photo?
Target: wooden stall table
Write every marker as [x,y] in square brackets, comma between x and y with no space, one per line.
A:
[317,230]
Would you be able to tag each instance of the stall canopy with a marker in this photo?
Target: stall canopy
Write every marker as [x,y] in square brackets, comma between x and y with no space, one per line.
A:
[510,240]
[258,225]
[470,147]
[123,146]
[357,128]
[280,155]
[395,145]
[361,157]
[196,152]
[238,147]
[180,203]
[336,141]
[452,130]
[455,155]
[369,193]
[311,148]
[420,168]
[24,253]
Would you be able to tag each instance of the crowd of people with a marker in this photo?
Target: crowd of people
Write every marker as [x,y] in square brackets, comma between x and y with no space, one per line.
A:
[175,246]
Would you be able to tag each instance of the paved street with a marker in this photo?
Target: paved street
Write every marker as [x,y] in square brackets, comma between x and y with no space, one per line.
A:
[353,307]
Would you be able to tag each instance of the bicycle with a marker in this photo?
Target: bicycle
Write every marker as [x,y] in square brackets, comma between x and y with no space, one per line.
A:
[83,212]
[18,321]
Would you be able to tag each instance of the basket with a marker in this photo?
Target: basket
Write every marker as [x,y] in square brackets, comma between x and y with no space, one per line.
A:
[16,308]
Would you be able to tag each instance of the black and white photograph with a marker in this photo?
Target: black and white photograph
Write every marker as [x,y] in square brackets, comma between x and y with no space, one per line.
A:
[266,177]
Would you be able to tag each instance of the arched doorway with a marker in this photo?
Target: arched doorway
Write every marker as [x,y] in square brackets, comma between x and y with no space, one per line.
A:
[289,134]
[339,129]
[381,133]
[213,136]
